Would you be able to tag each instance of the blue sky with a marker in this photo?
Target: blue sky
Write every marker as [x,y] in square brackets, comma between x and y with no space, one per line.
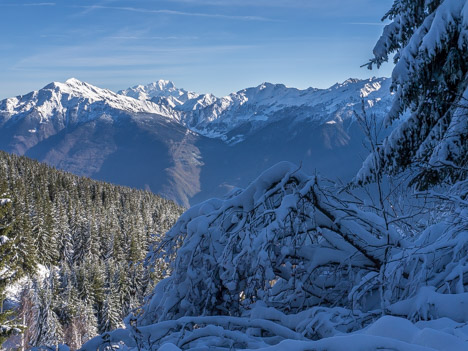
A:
[216,46]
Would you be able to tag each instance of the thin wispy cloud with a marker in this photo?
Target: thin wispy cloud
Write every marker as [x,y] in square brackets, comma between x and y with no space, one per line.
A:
[250,3]
[294,4]
[54,36]
[177,13]
[31,4]
[135,37]
[366,23]
[104,54]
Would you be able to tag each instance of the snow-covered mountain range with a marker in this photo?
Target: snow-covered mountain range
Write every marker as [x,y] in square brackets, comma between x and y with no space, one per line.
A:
[187,145]
[79,102]
[211,116]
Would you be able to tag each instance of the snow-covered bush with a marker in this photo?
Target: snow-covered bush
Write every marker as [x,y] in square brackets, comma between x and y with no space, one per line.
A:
[287,259]
[285,241]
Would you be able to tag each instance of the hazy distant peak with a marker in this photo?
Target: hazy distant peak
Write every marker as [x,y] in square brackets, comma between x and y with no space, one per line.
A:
[159,85]
[266,85]
[163,84]
[356,81]
[351,81]
[159,88]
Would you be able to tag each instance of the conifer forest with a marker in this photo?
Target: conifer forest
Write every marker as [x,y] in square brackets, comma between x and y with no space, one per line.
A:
[86,239]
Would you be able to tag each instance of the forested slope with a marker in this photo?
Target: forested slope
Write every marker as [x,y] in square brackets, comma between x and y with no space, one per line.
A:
[88,238]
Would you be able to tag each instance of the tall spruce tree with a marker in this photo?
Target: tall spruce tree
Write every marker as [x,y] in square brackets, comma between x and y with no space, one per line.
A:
[109,316]
[14,262]
[430,42]
[48,331]
[7,269]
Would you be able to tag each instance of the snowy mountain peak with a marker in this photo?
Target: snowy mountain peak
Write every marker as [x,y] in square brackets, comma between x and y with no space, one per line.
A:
[266,85]
[73,81]
[75,88]
[163,84]
[76,101]
[160,88]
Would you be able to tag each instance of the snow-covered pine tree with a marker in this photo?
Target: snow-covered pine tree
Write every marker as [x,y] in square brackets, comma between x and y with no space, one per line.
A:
[13,263]
[6,259]
[48,240]
[49,331]
[430,80]
[25,248]
[109,316]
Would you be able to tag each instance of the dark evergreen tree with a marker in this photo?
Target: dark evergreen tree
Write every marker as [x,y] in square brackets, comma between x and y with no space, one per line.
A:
[7,265]
[14,262]
[430,81]
[109,314]
[48,330]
